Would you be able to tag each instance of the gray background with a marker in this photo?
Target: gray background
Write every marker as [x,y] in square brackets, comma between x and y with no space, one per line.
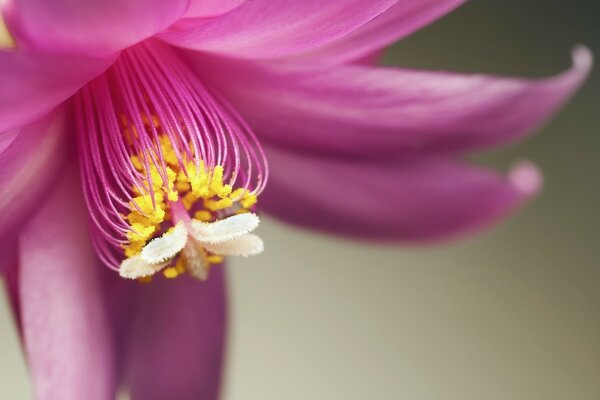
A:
[513,314]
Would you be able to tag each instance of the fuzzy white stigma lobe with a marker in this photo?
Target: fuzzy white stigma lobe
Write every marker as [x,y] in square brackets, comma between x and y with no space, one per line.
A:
[199,243]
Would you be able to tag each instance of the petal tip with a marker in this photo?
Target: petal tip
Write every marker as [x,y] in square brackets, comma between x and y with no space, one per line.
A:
[526,178]
[582,57]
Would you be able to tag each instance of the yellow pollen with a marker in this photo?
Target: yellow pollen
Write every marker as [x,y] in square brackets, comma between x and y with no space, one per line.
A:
[134,248]
[214,259]
[203,215]
[248,200]
[140,232]
[199,188]
[170,272]
[155,214]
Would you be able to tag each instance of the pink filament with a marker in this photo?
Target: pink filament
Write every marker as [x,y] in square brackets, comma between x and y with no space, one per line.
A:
[150,80]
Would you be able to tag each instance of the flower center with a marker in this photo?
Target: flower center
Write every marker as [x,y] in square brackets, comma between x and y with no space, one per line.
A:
[164,158]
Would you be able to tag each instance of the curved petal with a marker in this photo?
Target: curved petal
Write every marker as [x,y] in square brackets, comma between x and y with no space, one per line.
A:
[411,200]
[400,20]
[28,168]
[267,28]
[65,329]
[211,8]
[31,84]
[90,27]
[361,110]
[177,339]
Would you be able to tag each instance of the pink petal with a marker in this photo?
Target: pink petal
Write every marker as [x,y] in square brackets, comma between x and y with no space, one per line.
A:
[211,8]
[177,340]
[373,111]
[65,331]
[90,27]
[28,169]
[32,84]
[412,199]
[399,21]
[267,28]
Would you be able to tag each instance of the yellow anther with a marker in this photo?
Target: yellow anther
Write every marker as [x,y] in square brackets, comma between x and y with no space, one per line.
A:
[172,194]
[137,163]
[182,187]
[237,194]
[225,191]
[198,179]
[145,279]
[136,217]
[155,214]
[213,205]
[155,120]
[140,232]
[170,273]
[134,248]
[167,151]
[216,183]
[214,259]
[203,215]
[248,200]
[188,200]
[180,265]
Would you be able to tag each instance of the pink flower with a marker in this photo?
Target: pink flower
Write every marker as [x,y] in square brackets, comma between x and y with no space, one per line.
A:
[173,106]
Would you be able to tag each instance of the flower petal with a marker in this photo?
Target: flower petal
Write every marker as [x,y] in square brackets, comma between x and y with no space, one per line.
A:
[224,229]
[412,199]
[28,167]
[178,338]
[267,28]
[211,8]
[400,20]
[91,27]
[32,84]
[65,330]
[247,245]
[360,110]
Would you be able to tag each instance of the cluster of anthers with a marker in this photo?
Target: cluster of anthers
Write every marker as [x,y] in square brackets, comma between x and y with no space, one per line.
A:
[171,173]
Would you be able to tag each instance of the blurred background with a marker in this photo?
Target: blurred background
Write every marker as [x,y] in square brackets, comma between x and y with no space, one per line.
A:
[512,314]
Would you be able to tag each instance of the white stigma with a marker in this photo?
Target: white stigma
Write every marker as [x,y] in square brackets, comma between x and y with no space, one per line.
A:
[227,237]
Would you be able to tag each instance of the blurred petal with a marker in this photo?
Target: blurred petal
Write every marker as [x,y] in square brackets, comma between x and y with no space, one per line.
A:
[360,110]
[32,84]
[412,200]
[267,28]
[210,8]
[10,276]
[28,169]
[65,330]
[8,253]
[177,339]
[400,20]
[91,27]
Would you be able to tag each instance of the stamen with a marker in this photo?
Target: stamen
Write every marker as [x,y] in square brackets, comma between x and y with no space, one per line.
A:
[163,156]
